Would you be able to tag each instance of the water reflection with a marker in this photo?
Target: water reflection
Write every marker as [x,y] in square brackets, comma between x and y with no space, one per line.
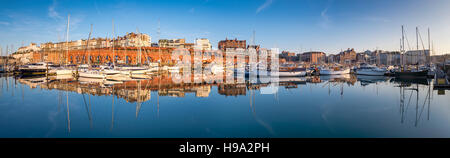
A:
[290,112]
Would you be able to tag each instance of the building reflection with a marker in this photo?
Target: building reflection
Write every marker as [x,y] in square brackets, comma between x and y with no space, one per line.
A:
[140,90]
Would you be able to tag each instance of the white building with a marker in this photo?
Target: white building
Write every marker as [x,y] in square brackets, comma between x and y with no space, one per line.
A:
[30,48]
[135,40]
[413,57]
[202,44]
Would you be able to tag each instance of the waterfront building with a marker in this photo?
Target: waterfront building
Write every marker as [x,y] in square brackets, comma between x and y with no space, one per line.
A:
[133,40]
[347,57]
[362,57]
[189,45]
[389,58]
[414,57]
[202,44]
[313,57]
[288,56]
[173,43]
[331,58]
[231,44]
[30,48]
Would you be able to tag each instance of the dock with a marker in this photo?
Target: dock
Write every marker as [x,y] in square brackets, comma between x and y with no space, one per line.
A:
[441,81]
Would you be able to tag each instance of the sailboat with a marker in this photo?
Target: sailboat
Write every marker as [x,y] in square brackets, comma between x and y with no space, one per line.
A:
[65,70]
[89,72]
[411,73]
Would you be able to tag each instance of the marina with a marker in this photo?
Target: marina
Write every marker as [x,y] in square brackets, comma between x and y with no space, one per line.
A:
[191,70]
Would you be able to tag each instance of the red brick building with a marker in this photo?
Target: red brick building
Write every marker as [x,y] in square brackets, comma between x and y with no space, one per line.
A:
[313,57]
[224,44]
[347,57]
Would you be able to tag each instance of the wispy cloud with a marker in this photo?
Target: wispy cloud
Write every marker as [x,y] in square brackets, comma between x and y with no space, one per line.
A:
[52,11]
[266,4]
[325,19]
[4,23]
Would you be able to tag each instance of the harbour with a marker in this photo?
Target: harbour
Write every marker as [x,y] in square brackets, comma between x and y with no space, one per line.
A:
[211,77]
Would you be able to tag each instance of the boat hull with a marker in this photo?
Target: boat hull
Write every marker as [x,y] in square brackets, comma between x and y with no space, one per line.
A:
[370,73]
[118,77]
[291,74]
[409,74]
[332,72]
[91,75]
[31,72]
[64,72]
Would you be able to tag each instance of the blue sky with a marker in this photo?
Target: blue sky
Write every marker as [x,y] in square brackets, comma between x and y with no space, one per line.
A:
[298,25]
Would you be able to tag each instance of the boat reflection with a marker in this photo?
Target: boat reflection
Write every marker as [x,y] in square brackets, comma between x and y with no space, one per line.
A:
[139,90]
[367,80]
[414,102]
[414,86]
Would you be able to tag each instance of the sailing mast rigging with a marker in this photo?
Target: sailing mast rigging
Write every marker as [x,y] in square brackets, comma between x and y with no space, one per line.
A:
[87,47]
[67,39]
[114,56]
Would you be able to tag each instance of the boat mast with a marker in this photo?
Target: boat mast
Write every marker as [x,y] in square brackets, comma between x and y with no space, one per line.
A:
[140,52]
[429,47]
[402,52]
[1,56]
[159,47]
[114,56]
[417,37]
[67,39]
[89,51]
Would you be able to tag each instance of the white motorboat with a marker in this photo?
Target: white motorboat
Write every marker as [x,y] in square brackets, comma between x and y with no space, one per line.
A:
[334,71]
[370,70]
[92,74]
[64,71]
[127,70]
[140,76]
[119,77]
[291,71]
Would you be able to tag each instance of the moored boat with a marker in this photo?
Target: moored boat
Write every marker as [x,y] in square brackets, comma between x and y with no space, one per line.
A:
[92,74]
[291,71]
[334,71]
[411,74]
[370,70]
[40,68]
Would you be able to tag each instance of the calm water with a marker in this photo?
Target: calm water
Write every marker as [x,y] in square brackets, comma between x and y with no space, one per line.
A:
[345,106]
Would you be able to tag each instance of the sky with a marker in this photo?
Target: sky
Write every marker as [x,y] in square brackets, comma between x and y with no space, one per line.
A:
[295,25]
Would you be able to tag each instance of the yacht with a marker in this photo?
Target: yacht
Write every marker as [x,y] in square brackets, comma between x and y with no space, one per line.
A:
[92,74]
[291,71]
[334,71]
[128,70]
[35,68]
[119,77]
[370,70]
[86,71]
[412,73]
